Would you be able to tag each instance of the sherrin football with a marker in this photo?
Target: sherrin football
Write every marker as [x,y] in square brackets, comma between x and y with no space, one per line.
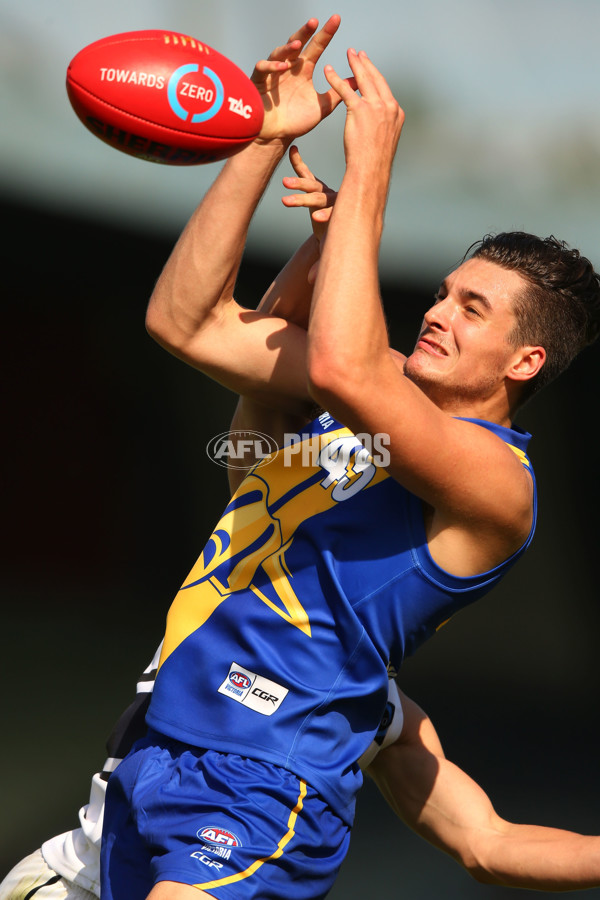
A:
[164,97]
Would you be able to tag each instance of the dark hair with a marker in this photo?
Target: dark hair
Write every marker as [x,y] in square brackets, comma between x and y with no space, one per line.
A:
[560,308]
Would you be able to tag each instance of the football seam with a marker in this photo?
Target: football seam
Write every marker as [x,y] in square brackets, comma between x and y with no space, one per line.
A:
[155,35]
[157,124]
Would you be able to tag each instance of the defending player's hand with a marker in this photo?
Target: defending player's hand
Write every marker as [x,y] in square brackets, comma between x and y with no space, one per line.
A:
[292,105]
[314,194]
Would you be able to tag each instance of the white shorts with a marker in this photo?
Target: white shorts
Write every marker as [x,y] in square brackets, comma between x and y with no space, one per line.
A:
[33,879]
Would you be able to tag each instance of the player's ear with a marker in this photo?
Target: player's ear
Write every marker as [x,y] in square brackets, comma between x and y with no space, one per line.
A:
[527,363]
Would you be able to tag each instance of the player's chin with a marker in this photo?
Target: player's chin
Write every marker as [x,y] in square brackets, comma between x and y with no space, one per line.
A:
[422,368]
[416,364]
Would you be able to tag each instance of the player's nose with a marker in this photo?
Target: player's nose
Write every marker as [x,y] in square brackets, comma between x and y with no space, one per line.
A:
[439,315]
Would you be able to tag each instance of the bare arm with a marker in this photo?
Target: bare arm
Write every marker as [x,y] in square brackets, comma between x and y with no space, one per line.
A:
[293,295]
[288,297]
[442,804]
[479,493]
[192,311]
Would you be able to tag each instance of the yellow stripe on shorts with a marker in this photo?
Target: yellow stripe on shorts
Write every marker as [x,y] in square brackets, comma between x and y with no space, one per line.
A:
[230,879]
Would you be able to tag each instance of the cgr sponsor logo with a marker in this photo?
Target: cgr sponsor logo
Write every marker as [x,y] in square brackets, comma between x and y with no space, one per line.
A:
[203,858]
[264,695]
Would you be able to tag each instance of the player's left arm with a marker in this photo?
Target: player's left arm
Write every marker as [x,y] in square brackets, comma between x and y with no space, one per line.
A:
[445,806]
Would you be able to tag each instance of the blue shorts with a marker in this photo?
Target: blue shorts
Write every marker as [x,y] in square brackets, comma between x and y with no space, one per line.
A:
[238,828]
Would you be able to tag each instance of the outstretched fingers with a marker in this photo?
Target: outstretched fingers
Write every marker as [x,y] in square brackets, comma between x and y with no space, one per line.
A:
[280,60]
[321,39]
[290,51]
[305,32]
[314,193]
[300,167]
[367,75]
[341,88]
[283,57]
[371,94]
[292,104]
[315,196]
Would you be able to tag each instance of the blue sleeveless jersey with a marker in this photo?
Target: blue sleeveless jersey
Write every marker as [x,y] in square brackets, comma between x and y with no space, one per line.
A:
[315,582]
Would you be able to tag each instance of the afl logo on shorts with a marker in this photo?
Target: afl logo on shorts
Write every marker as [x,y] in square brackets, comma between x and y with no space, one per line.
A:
[239,680]
[213,834]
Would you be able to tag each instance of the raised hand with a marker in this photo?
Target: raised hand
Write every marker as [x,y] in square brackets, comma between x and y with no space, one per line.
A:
[374,118]
[315,195]
[292,105]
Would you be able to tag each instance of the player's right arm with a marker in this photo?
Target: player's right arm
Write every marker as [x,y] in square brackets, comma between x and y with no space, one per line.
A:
[445,806]
[289,298]
[192,311]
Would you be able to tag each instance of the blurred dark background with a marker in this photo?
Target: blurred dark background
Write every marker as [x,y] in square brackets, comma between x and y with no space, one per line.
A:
[109,496]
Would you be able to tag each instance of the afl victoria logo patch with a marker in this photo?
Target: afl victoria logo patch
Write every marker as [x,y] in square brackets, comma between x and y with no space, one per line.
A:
[258,693]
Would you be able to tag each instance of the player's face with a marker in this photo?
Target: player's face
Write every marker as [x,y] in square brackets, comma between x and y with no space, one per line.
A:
[462,354]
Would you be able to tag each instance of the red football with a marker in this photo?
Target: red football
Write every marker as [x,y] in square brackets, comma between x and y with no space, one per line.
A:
[165,97]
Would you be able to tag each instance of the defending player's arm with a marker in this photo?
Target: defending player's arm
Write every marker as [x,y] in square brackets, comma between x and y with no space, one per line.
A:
[192,310]
[290,294]
[442,804]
